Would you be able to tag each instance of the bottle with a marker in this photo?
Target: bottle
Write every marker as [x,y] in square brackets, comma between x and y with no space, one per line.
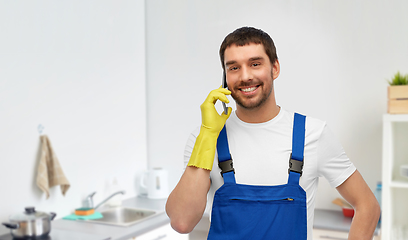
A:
[377,194]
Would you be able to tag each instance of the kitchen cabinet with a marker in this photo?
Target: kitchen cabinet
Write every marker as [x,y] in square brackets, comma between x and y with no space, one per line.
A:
[320,234]
[394,218]
[165,232]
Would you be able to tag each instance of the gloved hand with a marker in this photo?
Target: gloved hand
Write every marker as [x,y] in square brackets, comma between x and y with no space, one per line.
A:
[211,126]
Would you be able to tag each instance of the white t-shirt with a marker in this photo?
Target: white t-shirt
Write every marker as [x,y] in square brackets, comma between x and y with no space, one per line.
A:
[261,152]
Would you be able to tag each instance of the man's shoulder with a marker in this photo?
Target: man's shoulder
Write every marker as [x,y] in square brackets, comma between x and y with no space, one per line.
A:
[312,123]
[315,122]
[291,113]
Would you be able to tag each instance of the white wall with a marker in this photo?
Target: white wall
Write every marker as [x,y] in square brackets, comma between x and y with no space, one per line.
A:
[335,58]
[77,68]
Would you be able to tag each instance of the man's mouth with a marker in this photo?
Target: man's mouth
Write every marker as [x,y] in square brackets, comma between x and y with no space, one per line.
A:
[249,89]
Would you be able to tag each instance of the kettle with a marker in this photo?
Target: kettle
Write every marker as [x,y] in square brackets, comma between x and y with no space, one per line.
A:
[155,181]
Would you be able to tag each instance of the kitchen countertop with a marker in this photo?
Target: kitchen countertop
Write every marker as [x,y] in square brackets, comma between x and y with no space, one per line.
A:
[57,234]
[324,219]
[334,220]
[118,232]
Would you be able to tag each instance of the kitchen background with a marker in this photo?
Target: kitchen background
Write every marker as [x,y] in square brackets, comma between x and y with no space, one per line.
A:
[78,69]
[117,85]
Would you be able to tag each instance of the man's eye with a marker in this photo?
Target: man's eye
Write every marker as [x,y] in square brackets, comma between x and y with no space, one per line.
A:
[233,68]
[255,64]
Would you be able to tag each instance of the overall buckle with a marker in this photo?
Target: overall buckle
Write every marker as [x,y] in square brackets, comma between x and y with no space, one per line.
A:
[295,165]
[226,166]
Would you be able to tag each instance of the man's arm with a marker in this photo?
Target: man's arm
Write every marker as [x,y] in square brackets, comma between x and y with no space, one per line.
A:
[367,210]
[186,204]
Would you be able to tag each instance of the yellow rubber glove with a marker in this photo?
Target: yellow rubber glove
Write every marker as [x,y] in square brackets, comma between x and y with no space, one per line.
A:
[211,126]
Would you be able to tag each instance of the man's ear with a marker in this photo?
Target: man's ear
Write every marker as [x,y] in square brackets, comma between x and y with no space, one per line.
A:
[275,69]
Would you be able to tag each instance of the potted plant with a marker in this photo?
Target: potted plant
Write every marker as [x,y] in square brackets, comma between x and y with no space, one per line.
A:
[398,94]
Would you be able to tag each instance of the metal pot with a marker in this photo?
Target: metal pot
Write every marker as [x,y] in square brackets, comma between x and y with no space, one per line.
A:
[30,224]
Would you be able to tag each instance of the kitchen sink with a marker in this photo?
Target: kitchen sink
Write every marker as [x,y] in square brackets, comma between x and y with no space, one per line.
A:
[123,216]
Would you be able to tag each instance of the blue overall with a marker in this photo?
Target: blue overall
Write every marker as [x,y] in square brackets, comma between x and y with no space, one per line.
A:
[260,212]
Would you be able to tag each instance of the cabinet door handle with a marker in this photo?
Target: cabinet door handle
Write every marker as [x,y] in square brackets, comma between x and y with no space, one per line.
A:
[161,237]
[329,237]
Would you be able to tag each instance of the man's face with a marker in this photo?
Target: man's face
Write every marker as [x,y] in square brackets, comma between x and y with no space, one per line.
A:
[250,74]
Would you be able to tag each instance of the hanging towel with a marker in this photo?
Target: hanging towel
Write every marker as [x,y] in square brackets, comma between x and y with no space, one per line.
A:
[50,173]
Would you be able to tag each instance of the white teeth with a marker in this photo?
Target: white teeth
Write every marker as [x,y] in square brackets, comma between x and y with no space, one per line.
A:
[248,89]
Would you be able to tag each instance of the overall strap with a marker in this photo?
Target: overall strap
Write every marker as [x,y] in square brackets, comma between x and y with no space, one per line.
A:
[224,157]
[298,144]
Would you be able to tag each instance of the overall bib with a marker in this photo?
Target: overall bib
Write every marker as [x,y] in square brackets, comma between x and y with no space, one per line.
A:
[260,212]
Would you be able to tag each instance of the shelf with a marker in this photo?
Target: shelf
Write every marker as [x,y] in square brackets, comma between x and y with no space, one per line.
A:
[398,184]
[394,186]
[396,117]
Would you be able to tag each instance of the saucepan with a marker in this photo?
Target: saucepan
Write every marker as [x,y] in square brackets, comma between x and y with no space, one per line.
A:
[30,224]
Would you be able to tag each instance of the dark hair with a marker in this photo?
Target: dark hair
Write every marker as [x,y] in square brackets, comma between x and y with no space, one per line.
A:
[245,35]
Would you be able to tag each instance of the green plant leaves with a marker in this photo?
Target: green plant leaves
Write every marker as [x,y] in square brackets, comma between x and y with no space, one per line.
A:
[399,79]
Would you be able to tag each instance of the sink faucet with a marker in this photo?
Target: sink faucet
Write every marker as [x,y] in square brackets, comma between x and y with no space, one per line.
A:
[89,200]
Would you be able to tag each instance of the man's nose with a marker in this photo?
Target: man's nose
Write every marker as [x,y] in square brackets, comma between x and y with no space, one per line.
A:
[246,74]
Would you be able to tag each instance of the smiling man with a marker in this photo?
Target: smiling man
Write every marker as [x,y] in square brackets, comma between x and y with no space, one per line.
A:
[270,158]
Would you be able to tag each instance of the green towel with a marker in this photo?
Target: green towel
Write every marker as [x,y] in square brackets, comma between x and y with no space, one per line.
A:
[96,215]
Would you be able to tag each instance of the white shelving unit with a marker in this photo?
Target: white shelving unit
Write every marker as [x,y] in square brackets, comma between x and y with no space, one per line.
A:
[394,218]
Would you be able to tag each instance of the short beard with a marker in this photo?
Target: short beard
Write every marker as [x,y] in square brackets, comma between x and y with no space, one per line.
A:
[254,105]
